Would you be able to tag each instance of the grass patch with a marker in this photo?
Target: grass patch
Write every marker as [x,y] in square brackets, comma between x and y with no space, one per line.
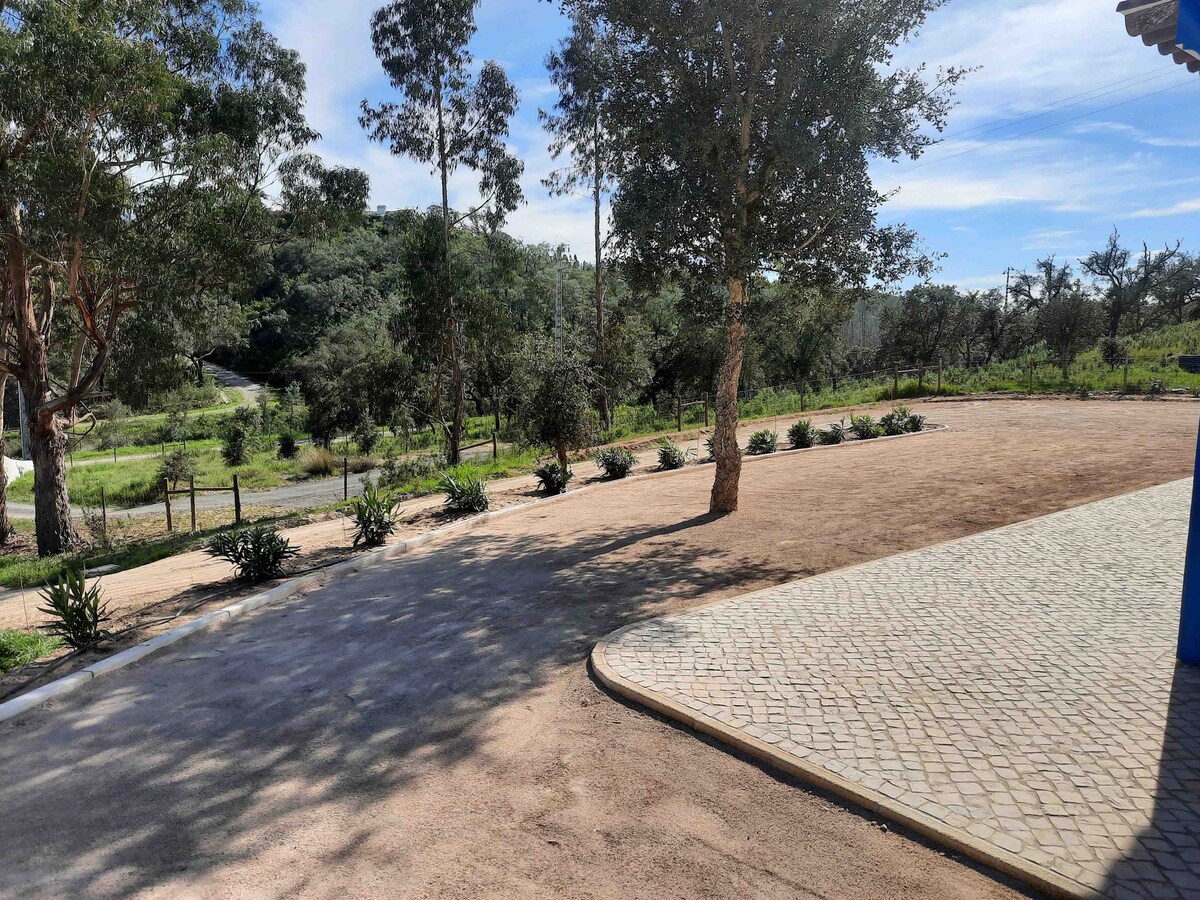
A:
[20,647]
[132,482]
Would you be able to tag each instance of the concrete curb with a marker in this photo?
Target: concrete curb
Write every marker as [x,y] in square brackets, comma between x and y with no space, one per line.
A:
[956,839]
[76,680]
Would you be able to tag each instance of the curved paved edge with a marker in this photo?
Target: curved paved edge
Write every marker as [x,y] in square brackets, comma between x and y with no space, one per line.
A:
[955,839]
[76,680]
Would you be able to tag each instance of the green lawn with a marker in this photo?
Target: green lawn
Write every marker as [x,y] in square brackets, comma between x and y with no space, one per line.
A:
[132,482]
[20,647]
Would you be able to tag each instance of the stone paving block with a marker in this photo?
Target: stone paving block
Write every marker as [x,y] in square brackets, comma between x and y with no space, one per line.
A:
[1018,685]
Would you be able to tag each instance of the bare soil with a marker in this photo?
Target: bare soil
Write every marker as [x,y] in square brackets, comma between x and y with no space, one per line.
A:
[437,733]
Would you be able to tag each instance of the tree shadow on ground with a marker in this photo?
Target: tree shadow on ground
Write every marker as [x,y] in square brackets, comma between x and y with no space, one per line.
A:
[1165,857]
[330,703]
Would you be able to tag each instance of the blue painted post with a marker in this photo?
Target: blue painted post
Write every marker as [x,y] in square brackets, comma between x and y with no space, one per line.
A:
[1189,617]
[1188,35]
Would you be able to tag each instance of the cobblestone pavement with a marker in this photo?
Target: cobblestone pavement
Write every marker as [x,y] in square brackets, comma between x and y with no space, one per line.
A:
[1017,688]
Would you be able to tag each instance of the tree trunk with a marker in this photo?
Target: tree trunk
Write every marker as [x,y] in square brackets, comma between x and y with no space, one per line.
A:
[198,362]
[600,348]
[456,375]
[560,450]
[5,529]
[52,507]
[724,498]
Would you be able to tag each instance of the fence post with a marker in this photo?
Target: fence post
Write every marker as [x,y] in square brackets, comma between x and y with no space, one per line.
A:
[345,478]
[192,498]
[939,382]
[896,383]
[167,499]
[114,454]
[237,501]
[678,412]
[103,512]
[1030,391]
[706,409]
[495,448]
[801,395]
[1125,389]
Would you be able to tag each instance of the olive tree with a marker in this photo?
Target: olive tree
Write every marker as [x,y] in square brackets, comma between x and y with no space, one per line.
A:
[743,132]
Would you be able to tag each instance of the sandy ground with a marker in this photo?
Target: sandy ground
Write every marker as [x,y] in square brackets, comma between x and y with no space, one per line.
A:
[428,728]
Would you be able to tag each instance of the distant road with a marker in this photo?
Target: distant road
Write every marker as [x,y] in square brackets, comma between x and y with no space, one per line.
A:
[230,379]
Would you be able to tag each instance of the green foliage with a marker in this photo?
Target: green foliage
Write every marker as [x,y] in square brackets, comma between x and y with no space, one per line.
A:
[896,421]
[865,428]
[465,490]
[556,410]
[615,462]
[914,423]
[374,514]
[239,436]
[76,611]
[366,434]
[257,553]
[553,477]
[178,465]
[834,434]
[1113,351]
[802,435]
[398,471]
[288,447]
[174,427]
[112,431]
[20,647]
[670,455]
[762,442]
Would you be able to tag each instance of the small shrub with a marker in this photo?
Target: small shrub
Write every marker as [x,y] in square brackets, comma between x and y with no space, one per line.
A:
[1113,352]
[317,463]
[710,447]
[287,446]
[896,421]
[670,455]
[465,491]
[615,462]
[77,615]
[366,435]
[97,526]
[1082,393]
[409,469]
[177,466]
[175,427]
[553,476]
[761,443]
[834,434]
[1156,387]
[802,435]
[238,436]
[914,423]
[257,553]
[374,514]
[865,428]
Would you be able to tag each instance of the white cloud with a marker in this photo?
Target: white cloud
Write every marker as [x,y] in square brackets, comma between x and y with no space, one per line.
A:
[1057,239]
[1138,134]
[1178,209]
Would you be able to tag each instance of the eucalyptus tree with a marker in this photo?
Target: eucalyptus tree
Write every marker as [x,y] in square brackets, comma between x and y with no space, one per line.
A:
[747,128]
[583,69]
[139,141]
[1130,279]
[448,118]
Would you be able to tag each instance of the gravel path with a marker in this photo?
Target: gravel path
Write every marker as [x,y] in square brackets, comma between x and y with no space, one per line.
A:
[428,728]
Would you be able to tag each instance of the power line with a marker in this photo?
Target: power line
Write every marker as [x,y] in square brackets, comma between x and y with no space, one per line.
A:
[1054,107]
[1022,134]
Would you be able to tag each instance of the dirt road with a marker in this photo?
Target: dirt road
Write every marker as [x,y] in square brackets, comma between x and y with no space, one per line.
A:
[428,728]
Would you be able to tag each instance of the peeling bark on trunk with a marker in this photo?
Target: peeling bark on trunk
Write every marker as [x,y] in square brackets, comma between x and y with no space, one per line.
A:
[728,457]
[52,507]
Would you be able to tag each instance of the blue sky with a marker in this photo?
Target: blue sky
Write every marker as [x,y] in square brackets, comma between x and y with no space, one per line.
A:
[1115,140]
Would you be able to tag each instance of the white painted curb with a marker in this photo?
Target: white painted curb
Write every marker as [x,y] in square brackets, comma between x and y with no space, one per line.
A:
[76,680]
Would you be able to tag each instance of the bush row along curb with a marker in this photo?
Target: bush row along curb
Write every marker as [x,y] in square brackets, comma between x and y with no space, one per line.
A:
[76,680]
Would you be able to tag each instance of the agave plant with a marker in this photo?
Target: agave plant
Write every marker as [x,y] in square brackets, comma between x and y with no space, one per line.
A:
[76,613]
[465,491]
[554,476]
[615,462]
[761,443]
[671,455]
[374,514]
[257,553]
